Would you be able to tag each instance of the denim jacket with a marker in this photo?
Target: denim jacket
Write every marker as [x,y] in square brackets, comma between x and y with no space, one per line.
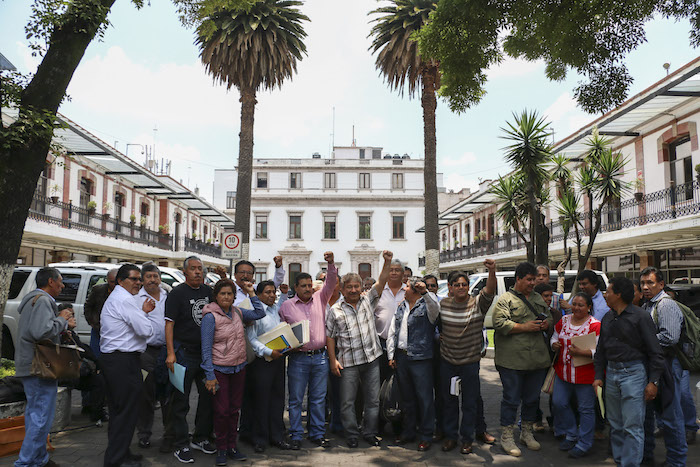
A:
[421,328]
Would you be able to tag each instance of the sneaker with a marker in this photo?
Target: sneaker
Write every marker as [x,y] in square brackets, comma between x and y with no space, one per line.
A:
[221,458]
[236,455]
[144,443]
[577,453]
[205,446]
[295,444]
[184,455]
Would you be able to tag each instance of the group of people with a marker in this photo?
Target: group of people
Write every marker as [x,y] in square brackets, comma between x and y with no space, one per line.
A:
[360,334]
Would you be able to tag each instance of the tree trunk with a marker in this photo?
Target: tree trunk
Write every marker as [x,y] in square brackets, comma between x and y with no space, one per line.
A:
[245,167]
[430,211]
[542,240]
[24,145]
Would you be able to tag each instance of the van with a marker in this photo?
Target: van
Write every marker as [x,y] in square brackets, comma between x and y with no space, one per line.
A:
[506,280]
[78,283]
[169,276]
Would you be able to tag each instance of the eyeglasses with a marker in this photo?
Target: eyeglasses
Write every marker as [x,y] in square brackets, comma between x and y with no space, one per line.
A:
[244,273]
[460,285]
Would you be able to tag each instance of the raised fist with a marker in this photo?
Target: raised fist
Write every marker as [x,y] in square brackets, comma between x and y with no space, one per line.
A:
[328,256]
[278,261]
[387,255]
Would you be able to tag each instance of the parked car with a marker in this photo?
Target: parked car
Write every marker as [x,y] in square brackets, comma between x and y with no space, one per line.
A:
[170,276]
[688,294]
[78,283]
[506,280]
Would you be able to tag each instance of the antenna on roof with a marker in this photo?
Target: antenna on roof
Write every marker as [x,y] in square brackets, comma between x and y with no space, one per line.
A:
[666,67]
[353,136]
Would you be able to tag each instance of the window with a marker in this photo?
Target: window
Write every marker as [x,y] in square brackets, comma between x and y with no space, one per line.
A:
[365,227]
[364,270]
[329,181]
[365,181]
[397,222]
[295,181]
[295,226]
[681,167]
[18,280]
[329,223]
[145,208]
[376,153]
[397,181]
[96,280]
[70,292]
[261,226]
[362,153]
[294,270]
[230,200]
[119,203]
[262,180]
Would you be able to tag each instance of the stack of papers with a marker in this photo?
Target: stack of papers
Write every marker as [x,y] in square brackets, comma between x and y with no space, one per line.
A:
[284,337]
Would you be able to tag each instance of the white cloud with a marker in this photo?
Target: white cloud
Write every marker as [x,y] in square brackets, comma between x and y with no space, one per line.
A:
[456,182]
[565,116]
[512,67]
[464,159]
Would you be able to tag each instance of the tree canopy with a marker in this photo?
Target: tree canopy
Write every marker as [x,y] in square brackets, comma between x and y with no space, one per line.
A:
[591,38]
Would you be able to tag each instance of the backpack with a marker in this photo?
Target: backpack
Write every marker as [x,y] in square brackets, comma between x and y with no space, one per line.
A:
[687,349]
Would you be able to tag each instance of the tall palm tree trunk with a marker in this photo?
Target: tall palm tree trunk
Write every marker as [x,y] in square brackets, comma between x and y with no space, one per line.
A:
[245,167]
[429,103]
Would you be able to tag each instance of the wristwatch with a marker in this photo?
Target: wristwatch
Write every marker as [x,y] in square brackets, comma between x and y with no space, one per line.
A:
[655,383]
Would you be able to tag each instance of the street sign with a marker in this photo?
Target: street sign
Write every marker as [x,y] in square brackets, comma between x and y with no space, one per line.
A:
[232,248]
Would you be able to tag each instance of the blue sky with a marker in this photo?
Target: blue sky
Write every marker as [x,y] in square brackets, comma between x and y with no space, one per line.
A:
[146,74]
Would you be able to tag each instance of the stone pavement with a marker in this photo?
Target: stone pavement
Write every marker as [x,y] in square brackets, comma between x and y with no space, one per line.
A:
[85,447]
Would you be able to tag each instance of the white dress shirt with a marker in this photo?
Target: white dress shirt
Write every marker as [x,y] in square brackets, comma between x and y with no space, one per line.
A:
[386,308]
[157,316]
[124,326]
[277,280]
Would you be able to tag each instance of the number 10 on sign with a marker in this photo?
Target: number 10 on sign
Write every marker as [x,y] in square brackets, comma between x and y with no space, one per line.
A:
[232,248]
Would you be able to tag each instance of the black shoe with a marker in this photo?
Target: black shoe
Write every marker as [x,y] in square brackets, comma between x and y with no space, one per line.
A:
[321,442]
[259,448]
[144,443]
[295,444]
[372,440]
[166,446]
[352,443]
[134,457]
[281,445]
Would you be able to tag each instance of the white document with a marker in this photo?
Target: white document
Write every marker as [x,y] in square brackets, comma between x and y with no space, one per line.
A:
[455,385]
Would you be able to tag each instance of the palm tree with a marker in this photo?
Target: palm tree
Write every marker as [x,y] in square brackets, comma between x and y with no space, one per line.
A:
[528,154]
[401,64]
[251,46]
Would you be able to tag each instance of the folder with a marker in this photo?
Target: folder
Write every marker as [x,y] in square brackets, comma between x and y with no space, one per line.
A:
[281,338]
[177,377]
[301,331]
[586,342]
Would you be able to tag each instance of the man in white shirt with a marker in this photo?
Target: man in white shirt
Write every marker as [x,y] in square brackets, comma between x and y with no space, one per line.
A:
[244,271]
[154,354]
[124,333]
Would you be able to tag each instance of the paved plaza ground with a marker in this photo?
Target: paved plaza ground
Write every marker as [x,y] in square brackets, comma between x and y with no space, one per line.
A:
[85,447]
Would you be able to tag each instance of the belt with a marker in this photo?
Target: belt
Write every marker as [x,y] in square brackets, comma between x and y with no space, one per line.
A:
[621,365]
[310,353]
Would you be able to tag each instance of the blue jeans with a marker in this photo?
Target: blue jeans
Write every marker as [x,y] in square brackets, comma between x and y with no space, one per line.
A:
[417,400]
[469,374]
[624,400]
[565,420]
[690,415]
[520,386]
[312,371]
[673,423]
[38,417]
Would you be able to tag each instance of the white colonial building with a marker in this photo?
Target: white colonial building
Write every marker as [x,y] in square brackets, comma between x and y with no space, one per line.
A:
[356,203]
[656,223]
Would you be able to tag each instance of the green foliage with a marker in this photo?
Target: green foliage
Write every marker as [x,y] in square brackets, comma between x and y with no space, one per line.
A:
[394,38]
[512,202]
[529,152]
[252,44]
[7,368]
[591,38]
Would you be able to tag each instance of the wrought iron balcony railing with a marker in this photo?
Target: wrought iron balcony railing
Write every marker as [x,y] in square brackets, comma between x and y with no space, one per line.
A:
[669,203]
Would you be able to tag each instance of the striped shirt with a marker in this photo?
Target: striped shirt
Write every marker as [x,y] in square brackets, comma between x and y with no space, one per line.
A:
[668,318]
[461,338]
[354,331]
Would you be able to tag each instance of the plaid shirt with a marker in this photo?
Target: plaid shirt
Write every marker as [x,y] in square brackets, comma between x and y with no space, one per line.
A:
[356,338]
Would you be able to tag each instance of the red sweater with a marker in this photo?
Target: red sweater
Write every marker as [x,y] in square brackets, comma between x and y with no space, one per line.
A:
[564,368]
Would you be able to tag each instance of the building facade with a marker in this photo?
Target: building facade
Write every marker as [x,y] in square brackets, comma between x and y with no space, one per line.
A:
[657,222]
[94,204]
[356,203]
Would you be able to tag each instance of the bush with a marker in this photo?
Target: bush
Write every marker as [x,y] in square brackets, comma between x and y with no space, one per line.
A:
[7,368]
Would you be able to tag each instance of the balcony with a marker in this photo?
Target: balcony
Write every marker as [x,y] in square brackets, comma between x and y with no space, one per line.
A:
[70,216]
[204,248]
[670,203]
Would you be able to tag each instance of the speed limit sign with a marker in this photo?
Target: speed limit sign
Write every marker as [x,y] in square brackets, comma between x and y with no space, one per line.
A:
[232,248]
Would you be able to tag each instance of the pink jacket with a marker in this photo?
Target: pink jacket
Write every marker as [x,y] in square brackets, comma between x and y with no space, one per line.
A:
[229,348]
